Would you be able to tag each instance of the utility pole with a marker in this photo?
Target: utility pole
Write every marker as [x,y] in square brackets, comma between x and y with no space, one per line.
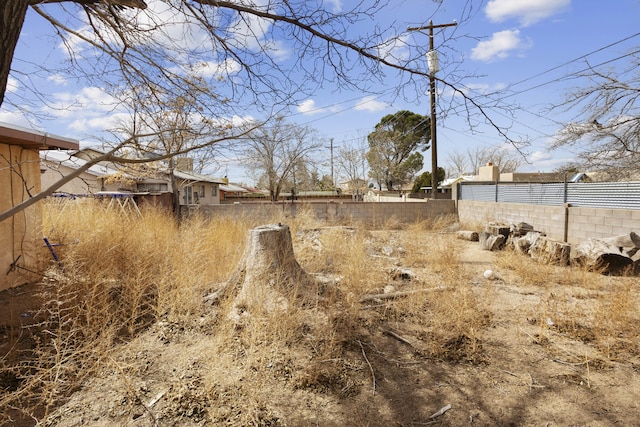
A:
[333,182]
[432,58]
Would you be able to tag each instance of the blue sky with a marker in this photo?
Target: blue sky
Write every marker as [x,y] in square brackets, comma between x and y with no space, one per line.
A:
[533,47]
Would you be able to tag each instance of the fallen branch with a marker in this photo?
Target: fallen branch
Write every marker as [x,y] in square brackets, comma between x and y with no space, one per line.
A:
[373,375]
[131,389]
[441,411]
[391,295]
[570,363]
[535,340]
[398,337]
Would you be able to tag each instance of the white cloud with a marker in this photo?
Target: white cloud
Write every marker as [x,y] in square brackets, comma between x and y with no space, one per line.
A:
[394,48]
[15,118]
[369,103]
[543,161]
[58,79]
[500,46]
[208,69]
[481,88]
[12,85]
[89,109]
[527,12]
[337,5]
[308,107]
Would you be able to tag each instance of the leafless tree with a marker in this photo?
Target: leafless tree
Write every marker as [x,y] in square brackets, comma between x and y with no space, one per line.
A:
[459,163]
[606,130]
[351,163]
[250,56]
[277,148]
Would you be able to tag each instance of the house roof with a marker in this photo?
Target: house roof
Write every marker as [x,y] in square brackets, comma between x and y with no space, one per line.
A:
[35,139]
[66,158]
[232,188]
[450,181]
[190,176]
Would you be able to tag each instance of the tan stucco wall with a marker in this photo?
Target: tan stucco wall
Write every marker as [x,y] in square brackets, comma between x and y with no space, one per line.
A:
[84,184]
[20,235]
[374,214]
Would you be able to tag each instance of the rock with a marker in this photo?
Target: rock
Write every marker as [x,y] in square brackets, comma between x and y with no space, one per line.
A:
[471,236]
[402,274]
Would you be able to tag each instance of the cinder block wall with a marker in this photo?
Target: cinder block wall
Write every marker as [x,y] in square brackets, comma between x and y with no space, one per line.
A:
[593,222]
[372,214]
[581,223]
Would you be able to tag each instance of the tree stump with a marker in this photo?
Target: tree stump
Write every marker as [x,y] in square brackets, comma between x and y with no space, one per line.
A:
[547,251]
[599,255]
[523,244]
[498,228]
[629,244]
[268,276]
[471,236]
[491,242]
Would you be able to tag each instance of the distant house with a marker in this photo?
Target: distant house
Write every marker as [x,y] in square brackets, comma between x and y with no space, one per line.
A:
[149,183]
[491,173]
[20,179]
[57,164]
[196,189]
[354,186]
[228,190]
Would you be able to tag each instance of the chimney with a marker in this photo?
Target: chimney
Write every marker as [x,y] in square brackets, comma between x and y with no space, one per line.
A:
[184,164]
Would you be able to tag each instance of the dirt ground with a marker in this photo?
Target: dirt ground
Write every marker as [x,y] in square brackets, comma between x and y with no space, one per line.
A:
[524,377]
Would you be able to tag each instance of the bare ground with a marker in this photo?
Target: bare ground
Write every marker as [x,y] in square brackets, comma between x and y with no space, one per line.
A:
[524,371]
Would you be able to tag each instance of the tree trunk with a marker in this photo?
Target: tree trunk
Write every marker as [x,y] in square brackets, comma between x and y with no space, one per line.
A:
[601,256]
[268,276]
[12,15]
[175,192]
[627,243]
[547,251]
[491,242]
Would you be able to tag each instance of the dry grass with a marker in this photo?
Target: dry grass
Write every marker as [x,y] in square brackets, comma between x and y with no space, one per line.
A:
[579,303]
[122,275]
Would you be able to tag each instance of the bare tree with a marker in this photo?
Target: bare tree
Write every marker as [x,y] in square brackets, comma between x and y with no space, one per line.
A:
[606,129]
[131,47]
[503,156]
[243,45]
[185,127]
[457,164]
[277,148]
[352,166]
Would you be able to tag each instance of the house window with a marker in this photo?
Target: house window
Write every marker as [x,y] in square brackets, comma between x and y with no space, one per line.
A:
[187,196]
[201,190]
[214,191]
[153,187]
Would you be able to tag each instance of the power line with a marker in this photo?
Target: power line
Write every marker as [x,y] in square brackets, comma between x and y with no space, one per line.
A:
[573,60]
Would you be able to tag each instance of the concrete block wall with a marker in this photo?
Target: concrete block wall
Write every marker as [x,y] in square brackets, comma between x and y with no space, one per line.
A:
[606,222]
[581,223]
[373,214]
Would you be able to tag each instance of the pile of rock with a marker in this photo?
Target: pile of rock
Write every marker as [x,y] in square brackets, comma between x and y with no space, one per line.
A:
[614,255]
